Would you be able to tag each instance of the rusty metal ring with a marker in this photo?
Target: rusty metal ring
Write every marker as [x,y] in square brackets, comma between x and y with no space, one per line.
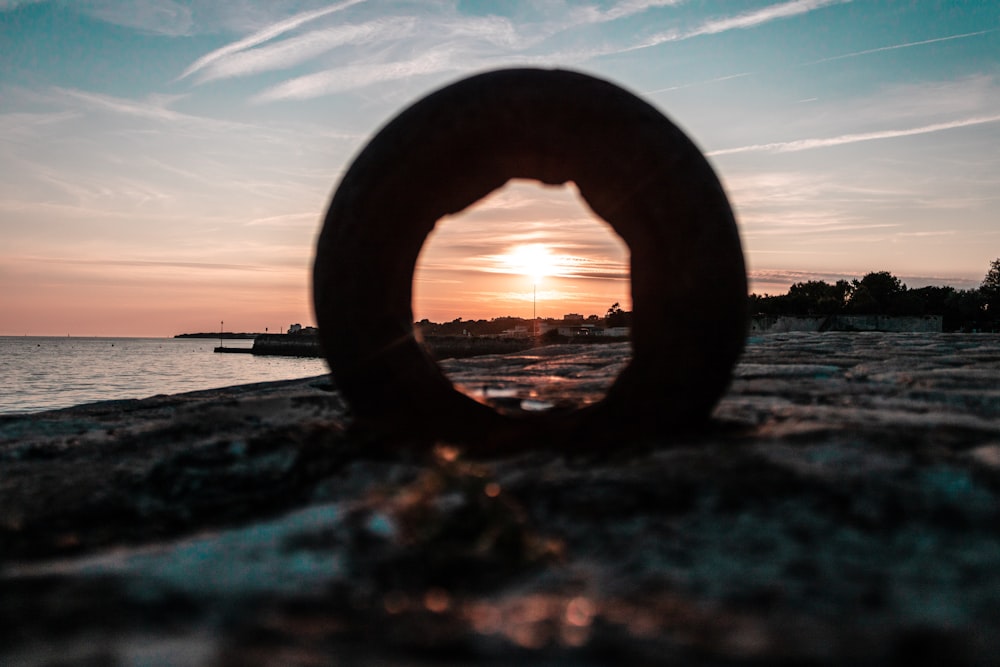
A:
[634,168]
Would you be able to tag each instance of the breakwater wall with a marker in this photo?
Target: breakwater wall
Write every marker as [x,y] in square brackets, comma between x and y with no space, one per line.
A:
[886,323]
[440,347]
[287,345]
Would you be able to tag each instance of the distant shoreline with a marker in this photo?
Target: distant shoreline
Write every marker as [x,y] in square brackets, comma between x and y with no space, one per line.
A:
[227,335]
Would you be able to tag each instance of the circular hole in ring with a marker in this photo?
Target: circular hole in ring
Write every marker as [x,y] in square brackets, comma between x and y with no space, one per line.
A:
[536,287]
[635,169]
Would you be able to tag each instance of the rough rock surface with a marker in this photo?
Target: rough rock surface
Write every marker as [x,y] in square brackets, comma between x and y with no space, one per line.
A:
[842,508]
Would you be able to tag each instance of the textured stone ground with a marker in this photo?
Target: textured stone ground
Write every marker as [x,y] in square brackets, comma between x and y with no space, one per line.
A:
[842,508]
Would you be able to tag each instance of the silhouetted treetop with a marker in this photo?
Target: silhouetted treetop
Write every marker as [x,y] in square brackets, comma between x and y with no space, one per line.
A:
[817,297]
[990,290]
[876,292]
[616,317]
[991,283]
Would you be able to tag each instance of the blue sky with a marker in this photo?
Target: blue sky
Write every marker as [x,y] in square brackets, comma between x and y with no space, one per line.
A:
[167,164]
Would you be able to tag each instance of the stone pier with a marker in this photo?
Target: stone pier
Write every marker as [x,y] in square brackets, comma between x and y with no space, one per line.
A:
[842,508]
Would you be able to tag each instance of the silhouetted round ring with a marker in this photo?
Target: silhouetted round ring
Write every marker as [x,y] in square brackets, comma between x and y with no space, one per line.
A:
[634,168]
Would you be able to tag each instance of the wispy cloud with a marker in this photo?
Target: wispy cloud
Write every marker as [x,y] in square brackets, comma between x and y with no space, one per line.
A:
[162,17]
[153,108]
[148,263]
[492,30]
[938,96]
[390,48]
[824,228]
[285,221]
[802,190]
[743,21]
[264,35]
[792,276]
[24,124]
[906,45]
[717,79]
[302,48]
[828,142]
[355,76]
[761,16]
[593,14]
[434,42]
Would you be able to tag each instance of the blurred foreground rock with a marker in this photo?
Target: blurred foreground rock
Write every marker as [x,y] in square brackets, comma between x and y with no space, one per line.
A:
[842,508]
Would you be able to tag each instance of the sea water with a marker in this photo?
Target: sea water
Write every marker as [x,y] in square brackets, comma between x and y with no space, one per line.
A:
[43,373]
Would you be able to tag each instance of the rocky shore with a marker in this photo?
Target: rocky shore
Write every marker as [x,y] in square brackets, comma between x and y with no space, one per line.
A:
[843,507]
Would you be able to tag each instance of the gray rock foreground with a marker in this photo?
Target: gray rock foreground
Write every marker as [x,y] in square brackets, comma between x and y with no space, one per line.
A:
[842,508]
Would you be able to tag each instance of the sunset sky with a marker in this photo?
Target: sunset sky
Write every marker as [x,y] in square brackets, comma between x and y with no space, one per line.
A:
[166,164]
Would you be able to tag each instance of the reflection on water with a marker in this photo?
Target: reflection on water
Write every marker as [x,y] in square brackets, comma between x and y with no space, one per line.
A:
[42,373]
[564,376]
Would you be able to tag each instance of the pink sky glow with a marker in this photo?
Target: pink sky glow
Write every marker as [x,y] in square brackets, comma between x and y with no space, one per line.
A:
[167,164]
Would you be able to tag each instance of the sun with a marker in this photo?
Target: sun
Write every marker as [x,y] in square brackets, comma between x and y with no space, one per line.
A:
[532,259]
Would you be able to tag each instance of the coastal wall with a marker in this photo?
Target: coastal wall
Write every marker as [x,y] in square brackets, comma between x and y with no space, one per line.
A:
[440,347]
[916,324]
[886,323]
[287,345]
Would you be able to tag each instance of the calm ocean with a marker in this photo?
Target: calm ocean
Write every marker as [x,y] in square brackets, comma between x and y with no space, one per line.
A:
[41,373]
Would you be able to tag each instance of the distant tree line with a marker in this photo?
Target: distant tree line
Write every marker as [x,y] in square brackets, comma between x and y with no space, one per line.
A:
[615,317]
[877,293]
[881,293]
